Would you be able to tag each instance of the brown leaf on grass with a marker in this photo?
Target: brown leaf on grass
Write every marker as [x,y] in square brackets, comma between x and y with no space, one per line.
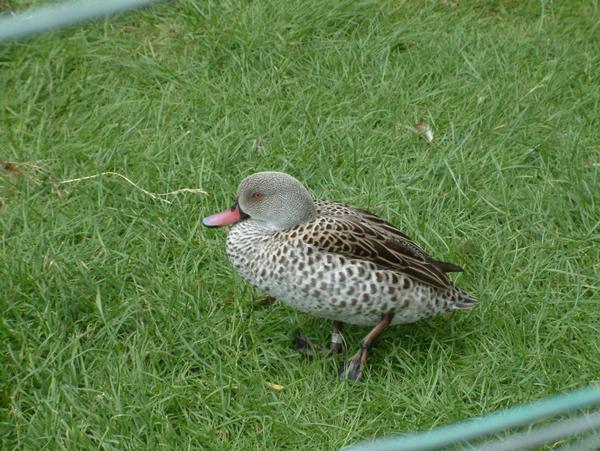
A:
[31,172]
[424,129]
[11,167]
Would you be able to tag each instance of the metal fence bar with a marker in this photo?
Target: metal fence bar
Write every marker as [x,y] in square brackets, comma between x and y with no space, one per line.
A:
[591,442]
[478,427]
[540,436]
[36,20]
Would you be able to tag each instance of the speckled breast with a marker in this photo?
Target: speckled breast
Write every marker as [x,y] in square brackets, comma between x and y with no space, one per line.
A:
[324,284]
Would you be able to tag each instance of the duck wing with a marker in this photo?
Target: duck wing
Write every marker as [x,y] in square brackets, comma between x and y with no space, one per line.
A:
[332,208]
[352,238]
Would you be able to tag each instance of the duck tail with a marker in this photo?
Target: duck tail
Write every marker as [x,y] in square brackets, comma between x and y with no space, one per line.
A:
[464,300]
[446,267]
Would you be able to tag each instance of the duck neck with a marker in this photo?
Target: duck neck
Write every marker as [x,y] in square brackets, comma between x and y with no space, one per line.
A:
[295,211]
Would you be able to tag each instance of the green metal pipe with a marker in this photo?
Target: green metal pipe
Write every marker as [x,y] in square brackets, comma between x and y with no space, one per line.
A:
[35,20]
[481,426]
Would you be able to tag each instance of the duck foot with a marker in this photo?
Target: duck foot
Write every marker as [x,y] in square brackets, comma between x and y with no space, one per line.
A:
[305,346]
[309,349]
[353,369]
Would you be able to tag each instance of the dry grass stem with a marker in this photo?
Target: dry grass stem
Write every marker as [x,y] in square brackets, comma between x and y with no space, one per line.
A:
[156,196]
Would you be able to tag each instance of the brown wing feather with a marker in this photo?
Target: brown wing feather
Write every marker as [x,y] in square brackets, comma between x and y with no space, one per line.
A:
[332,208]
[350,238]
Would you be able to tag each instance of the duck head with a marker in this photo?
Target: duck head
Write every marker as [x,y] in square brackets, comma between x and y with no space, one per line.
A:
[275,200]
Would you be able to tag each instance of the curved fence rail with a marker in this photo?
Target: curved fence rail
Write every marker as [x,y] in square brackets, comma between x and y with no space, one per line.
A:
[479,428]
[35,20]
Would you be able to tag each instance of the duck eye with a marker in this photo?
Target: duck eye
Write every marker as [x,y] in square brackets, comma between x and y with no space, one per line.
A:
[257,196]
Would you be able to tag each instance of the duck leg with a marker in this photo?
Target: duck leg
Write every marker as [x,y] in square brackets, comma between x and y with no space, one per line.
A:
[336,345]
[308,348]
[353,369]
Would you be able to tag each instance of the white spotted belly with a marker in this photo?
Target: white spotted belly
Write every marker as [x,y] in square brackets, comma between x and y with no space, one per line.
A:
[328,285]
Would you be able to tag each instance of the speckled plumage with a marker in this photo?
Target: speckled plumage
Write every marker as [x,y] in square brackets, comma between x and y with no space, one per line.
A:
[333,261]
[289,266]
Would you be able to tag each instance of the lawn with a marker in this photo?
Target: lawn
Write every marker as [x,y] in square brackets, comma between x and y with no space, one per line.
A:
[123,324]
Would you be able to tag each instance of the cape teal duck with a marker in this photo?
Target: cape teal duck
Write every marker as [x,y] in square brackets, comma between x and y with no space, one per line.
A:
[333,261]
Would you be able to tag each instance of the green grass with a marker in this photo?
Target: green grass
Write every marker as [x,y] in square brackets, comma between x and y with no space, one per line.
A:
[123,324]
